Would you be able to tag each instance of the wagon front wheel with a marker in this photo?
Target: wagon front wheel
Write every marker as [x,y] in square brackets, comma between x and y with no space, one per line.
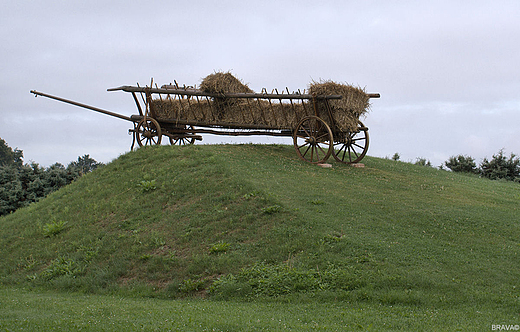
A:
[351,147]
[149,132]
[313,140]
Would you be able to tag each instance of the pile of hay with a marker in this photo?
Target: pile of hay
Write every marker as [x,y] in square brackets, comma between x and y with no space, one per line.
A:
[220,82]
[274,114]
[347,110]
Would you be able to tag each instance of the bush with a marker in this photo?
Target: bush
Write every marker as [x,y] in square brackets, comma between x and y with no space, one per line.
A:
[147,185]
[8,156]
[423,162]
[219,247]
[501,167]
[22,184]
[54,228]
[462,163]
[265,280]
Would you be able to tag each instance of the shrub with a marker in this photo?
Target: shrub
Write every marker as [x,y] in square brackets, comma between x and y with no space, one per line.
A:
[22,184]
[219,247]
[272,209]
[8,156]
[54,228]
[501,167]
[60,267]
[423,162]
[462,163]
[147,185]
[191,285]
[277,280]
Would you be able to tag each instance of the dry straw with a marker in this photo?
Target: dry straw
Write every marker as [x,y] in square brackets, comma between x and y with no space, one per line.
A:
[220,82]
[277,114]
[347,110]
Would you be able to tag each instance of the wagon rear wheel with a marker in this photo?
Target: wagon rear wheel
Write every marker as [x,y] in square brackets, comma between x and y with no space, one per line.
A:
[149,132]
[351,147]
[313,140]
[183,140]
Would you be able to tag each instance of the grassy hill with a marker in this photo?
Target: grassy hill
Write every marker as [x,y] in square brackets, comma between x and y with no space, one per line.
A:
[247,221]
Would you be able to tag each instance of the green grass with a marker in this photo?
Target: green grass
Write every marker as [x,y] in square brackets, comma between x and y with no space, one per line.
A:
[247,225]
[48,311]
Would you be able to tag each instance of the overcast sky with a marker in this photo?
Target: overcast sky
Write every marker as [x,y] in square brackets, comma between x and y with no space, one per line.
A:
[448,71]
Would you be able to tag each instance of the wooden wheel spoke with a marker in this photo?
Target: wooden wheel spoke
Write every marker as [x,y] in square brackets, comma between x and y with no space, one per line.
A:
[180,138]
[304,144]
[319,146]
[307,150]
[354,147]
[344,152]
[355,152]
[148,132]
[359,146]
[307,134]
[323,137]
[317,140]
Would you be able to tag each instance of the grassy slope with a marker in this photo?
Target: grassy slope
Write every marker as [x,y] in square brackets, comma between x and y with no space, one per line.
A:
[398,233]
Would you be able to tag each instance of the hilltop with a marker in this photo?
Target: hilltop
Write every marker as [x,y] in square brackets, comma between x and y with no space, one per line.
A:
[243,221]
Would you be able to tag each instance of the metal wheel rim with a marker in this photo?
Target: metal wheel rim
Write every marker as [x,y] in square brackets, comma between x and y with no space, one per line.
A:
[313,140]
[354,148]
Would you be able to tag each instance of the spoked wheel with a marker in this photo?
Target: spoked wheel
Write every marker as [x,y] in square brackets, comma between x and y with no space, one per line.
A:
[148,132]
[352,146]
[183,140]
[313,140]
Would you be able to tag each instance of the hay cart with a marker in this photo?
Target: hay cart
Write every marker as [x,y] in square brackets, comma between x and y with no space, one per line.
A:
[182,114]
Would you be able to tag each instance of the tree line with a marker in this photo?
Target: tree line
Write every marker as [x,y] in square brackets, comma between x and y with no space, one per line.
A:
[498,167]
[22,183]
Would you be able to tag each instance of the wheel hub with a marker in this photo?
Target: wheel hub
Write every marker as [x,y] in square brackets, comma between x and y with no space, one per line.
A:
[147,134]
[311,140]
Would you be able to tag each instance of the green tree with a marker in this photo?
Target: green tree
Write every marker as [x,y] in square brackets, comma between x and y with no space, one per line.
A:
[22,184]
[84,165]
[8,156]
[501,167]
[423,162]
[462,163]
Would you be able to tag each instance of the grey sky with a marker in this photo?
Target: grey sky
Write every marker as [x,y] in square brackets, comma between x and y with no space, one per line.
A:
[447,71]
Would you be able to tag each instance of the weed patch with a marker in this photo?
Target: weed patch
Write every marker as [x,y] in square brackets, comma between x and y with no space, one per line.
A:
[272,209]
[54,228]
[268,280]
[219,247]
[147,185]
[61,266]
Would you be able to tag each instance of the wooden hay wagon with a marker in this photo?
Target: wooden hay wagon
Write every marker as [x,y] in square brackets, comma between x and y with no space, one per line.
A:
[314,121]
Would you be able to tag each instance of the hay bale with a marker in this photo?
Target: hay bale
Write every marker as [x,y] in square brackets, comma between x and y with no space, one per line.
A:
[275,114]
[183,109]
[220,82]
[346,111]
